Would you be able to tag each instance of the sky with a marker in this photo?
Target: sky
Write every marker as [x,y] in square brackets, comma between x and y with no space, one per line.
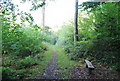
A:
[56,12]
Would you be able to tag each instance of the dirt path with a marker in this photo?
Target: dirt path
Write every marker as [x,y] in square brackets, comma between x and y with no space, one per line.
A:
[76,72]
[51,69]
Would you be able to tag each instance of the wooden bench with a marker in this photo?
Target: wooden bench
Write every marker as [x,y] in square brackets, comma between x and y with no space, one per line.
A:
[89,66]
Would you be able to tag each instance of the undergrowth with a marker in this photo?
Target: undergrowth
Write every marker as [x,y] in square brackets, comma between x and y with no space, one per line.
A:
[64,63]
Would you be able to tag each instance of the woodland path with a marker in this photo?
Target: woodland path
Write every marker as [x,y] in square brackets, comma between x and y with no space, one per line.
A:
[51,69]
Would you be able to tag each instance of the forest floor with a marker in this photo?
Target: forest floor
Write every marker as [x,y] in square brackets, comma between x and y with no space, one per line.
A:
[80,72]
[61,67]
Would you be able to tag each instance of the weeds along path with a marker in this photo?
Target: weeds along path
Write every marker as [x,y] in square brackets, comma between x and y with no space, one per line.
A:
[64,64]
[59,66]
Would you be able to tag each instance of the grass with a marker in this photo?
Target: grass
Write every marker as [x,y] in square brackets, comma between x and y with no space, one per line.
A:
[39,69]
[34,70]
[64,63]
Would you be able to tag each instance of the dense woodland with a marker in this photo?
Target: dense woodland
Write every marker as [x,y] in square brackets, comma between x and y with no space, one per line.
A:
[98,34]
[25,45]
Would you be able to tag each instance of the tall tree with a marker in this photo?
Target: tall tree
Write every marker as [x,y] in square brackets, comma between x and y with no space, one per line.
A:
[43,15]
[75,22]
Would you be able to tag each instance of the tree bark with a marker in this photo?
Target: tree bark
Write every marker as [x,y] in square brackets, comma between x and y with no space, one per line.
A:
[76,22]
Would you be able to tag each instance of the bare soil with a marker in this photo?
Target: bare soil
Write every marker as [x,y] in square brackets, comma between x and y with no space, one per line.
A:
[79,72]
[51,71]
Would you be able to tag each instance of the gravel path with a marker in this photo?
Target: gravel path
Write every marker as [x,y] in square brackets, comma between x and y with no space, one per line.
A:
[51,69]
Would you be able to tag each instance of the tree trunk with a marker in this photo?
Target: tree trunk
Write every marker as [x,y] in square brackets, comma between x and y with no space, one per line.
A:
[43,15]
[75,22]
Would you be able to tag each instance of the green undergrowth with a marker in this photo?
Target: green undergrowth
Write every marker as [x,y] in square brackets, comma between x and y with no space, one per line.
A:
[64,63]
[39,69]
[25,68]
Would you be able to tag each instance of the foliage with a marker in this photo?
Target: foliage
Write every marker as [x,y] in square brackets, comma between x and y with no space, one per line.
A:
[108,33]
[21,43]
[39,70]
[64,63]
[51,36]
[26,62]
[90,5]
[36,6]
[6,71]
[65,35]
[98,35]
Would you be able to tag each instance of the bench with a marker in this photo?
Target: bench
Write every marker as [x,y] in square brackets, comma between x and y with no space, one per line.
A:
[89,66]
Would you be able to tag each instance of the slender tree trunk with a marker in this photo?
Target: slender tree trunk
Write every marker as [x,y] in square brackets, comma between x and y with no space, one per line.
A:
[43,15]
[76,22]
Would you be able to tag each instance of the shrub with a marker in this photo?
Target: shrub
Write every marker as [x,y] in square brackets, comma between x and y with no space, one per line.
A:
[39,57]
[22,73]
[7,73]
[26,62]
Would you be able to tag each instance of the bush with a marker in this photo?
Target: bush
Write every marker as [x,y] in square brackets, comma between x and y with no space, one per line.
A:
[26,62]
[22,73]
[39,57]
[7,73]
[7,61]
[98,36]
